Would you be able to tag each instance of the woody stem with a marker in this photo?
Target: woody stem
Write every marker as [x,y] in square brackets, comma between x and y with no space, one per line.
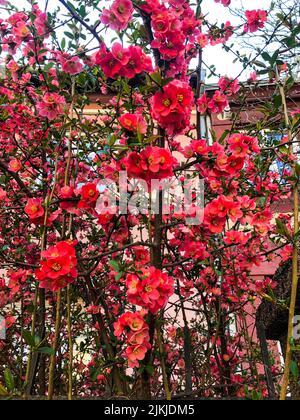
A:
[54,347]
[163,364]
[70,367]
[292,308]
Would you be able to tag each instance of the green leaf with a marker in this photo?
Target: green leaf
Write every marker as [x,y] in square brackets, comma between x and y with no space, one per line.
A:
[69,35]
[9,380]
[29,339]
[63,43]
[114,265]
[119,276]
[256,396]
[282,229]
[46,350]
[277,101]
[149,369]
[266,56]
[294,370]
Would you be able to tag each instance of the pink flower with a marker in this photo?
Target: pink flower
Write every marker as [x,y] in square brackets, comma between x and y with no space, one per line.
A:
[218,103]
[202,104]
[136,353]
[253,77]
[21,31]
[150,290]
[14,165]
[225,3]
[41,24]
[119,15]
[229,86]
[256,20]
[262,219]
[296,113]
[51,106]
[72,66]
[136,330]
[202,40]
[133,122]
[134,321]
[3,194]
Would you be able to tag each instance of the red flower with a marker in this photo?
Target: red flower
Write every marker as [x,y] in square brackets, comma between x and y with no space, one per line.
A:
[126,62]
[239,148]
[133,321]
[119,15]
[170,47]
[256,20]
[202,104]
[172,107]
[14,165]
[51,106]
[262,219]
[218,103]
[197,147]
[215,214]
[235,165]
[229,86]
[68,200]
[58,266]
[135,354]
[133,122]
[150,290]
[138,63]
[134,325]
[225,3]
[17,279]
[151,163]
[72,65]
[34,210]
[89,196]
[3,194]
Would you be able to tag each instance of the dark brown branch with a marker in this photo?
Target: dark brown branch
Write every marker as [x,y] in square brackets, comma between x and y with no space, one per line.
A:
[112,251]
[91,29]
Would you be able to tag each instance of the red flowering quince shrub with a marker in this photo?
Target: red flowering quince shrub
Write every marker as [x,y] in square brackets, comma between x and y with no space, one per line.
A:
[58,266]
[101,111]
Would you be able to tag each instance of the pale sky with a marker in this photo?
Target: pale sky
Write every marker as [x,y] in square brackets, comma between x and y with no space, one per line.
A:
[216,56]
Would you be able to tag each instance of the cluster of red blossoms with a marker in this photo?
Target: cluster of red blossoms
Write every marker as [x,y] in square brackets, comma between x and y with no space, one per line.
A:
[124,62]
[219,160]
[217,104]
[119,15]
[150,290]
[137,333]
[58,266]
[256,20]
[229,86]
[172,107]
[150,163]
[171,27]
[51,105]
